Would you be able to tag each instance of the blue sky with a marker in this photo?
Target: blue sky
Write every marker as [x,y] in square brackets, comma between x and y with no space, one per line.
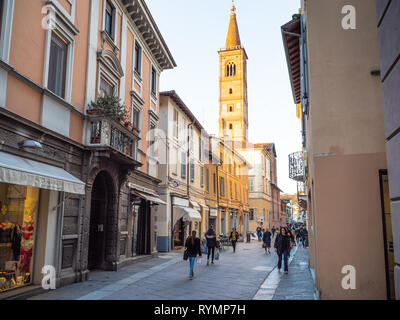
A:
[195,30]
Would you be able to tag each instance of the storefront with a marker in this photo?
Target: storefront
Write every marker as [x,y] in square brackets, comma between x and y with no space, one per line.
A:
[184,220]
[31,203]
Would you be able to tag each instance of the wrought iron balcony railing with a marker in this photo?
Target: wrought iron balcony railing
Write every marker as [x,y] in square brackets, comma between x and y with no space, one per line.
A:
[105,131]
[296,166]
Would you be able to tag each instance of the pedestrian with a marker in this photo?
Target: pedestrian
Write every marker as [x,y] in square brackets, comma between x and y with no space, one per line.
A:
[259,233]
[273,231]
[211,238]
[234,238]
[294,236]
[267,241]
[301,232]
[282,246]
[305,238]
[193,249]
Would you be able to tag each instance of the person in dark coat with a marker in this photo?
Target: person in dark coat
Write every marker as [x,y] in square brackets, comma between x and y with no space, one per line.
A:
[267,241]
[211,244]
[234,236]
[273,232]
[282,247]
[193,249]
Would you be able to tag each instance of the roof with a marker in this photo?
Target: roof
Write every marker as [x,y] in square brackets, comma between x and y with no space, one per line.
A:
[174,96]
[144,21]
[268,146]
[233,37]
[291,42]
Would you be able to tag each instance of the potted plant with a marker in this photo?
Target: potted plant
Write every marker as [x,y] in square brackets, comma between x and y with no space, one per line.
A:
[108,105]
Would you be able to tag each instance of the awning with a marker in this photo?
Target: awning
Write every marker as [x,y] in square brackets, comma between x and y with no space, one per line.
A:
[26,172]
[195,205]
[213,212]
[152,198]
[188,214]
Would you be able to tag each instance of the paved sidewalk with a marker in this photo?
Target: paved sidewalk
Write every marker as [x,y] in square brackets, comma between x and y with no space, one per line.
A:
[298,284]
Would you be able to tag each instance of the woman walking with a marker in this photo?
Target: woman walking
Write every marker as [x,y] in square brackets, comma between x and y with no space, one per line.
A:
[282,247]
[267,241]
[193,249]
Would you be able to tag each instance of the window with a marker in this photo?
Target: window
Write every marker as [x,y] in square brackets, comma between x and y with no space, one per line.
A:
[230,91]
[192,172]
[106,87]
[236,194]
[191,139]
[214,183]
[153,81]
[109,17]
[207,180]
[251,214]
[230,69]
[1,14]
[201,176]
[200,153]
[135,117]
[221,187]
[230,189]
[183,165]
[251,184]
[230,126]
[230,108]
[57,64]
[176,127]
[138,59]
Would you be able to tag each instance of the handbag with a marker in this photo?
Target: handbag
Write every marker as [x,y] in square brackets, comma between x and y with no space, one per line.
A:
[185,255]
[264,245]
[216,255]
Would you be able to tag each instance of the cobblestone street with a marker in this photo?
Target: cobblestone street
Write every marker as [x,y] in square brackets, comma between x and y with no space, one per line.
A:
[235,276]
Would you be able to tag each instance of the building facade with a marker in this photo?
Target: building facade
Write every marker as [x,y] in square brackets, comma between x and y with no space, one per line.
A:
[91,158]
[389,45]
[343,143]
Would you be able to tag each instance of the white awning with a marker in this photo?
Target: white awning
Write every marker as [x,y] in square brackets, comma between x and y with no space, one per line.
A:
[195,205]
[213,212]
[26,172]
[152,198]
[188,214]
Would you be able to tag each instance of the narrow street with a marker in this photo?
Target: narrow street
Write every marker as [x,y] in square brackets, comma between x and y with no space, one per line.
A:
[239,276]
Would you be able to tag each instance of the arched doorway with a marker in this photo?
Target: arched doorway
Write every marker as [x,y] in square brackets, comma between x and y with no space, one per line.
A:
[101,202]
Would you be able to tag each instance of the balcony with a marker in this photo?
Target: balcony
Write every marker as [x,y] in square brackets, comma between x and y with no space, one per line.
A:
[296,166]
[106,134]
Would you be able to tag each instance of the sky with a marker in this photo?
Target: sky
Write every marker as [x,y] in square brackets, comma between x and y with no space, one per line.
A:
[194,32]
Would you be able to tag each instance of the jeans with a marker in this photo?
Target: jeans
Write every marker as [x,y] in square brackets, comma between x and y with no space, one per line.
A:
[191,262]
[234,245]
[211,249]
[285,259]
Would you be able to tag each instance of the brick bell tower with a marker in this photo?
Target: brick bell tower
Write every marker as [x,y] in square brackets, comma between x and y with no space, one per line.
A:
[233,105]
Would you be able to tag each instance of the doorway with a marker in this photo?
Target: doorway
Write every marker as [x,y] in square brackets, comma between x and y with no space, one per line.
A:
[100,203]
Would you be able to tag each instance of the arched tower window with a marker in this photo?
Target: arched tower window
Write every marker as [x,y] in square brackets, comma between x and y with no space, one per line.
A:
[230,69]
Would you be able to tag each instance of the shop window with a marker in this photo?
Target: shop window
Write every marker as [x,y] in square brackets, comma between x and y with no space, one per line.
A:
[58,64]
[109,19]
[18,226]
[138,59]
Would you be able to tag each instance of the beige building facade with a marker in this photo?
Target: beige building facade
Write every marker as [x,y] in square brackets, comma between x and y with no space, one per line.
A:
[343,143]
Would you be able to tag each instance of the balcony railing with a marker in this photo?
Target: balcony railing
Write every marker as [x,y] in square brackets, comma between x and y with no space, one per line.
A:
[104,131]
[296,166]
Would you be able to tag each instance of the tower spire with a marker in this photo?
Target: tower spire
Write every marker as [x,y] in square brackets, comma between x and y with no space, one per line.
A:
[233,38]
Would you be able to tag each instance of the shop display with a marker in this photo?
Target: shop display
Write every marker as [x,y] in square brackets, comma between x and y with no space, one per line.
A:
[19,205]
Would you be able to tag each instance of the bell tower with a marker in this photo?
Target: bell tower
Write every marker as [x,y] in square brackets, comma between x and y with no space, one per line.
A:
[233,108]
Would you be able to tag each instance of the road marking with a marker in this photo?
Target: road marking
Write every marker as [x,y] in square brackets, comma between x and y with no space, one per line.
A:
[122,284]
[268,288]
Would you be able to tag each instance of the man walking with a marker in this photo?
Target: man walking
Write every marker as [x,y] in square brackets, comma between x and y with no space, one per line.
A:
[259,233]
[273,231]
[211,238]
[267,241]
[234,238]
